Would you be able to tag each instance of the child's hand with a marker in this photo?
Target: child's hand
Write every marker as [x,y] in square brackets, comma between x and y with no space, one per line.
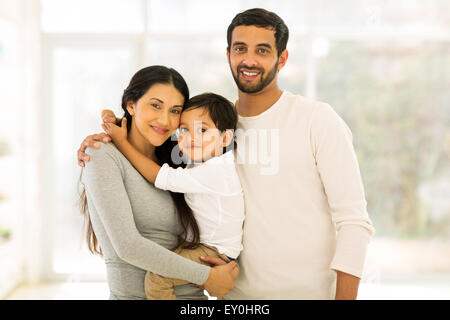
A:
[109,116]
[116,133]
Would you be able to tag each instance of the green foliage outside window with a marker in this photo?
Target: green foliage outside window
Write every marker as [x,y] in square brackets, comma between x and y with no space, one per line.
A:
[396,100]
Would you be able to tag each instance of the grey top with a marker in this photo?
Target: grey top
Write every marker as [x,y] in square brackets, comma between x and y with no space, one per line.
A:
[136,224]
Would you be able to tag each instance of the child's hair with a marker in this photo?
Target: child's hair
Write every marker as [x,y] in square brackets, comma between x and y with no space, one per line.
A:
[222,112]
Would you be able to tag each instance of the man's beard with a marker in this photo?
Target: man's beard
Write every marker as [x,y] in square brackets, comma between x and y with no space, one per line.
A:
[264,81]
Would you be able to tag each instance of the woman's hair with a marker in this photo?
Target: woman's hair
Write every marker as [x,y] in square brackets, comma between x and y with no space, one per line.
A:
[222,112]
[140,83]
[263,19]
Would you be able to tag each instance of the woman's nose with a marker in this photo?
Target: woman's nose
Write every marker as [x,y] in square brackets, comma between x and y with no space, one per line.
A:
[164,119]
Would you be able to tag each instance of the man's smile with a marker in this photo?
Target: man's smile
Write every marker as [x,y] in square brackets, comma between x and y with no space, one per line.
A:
[249,74]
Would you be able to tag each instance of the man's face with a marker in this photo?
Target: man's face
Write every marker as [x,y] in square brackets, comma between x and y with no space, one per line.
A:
[253,58]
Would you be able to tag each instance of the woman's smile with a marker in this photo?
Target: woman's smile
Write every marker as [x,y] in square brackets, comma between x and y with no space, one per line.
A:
[159,130]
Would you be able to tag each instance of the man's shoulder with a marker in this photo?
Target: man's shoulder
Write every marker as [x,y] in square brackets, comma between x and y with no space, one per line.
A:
[303,103]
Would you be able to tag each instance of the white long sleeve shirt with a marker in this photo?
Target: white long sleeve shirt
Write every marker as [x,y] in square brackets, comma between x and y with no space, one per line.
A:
[304,199]
[213,192]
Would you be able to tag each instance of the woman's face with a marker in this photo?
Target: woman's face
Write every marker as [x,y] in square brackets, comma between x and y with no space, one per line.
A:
[157,113]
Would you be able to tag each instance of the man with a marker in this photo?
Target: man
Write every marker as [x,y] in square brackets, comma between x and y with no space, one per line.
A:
[306,228]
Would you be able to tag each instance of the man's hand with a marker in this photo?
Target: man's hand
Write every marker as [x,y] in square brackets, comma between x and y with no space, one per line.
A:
[92,142]
[346,286]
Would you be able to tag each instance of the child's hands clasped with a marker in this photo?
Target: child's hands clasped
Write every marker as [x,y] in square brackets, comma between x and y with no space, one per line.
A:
[116,133]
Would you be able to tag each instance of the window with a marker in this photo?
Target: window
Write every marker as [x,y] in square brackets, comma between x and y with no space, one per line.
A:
[394,97]
[382,65]
[86,16]
[83,79]
[11,157]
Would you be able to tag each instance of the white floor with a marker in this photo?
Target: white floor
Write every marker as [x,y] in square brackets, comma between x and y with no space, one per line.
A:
[61,291]
[99,291]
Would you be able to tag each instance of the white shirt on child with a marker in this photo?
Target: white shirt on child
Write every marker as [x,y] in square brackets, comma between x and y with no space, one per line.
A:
[213,191]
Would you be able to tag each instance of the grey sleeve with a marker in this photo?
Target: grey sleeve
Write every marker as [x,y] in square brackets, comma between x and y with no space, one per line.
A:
[104,185]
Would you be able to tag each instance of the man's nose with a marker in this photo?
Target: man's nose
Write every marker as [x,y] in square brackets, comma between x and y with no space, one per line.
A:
[250,59]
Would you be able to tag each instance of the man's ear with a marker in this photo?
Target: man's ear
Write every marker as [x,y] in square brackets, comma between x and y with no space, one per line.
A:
[228,56]
[130,107]
[227,137]
[283,59]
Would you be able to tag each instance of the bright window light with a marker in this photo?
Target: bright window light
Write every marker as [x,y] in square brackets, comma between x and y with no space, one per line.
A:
[86,16]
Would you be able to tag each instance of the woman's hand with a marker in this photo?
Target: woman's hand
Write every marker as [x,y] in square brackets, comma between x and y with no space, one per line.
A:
[221,279]
[116,133]
[213,261]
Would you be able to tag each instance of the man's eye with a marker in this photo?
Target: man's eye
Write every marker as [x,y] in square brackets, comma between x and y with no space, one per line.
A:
[239,49]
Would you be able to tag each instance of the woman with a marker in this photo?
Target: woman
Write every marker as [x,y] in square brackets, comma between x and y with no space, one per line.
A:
[129,221]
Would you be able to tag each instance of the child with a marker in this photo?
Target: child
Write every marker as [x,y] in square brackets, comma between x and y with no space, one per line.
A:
[210,181]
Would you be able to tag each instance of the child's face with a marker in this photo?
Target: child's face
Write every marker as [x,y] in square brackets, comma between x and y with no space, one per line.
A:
[199,138]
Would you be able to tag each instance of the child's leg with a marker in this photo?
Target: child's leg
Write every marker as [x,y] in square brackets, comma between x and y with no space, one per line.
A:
[161,288]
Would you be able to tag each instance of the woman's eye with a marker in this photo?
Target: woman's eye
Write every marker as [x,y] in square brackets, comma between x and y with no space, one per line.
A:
[176,111]
[154,105]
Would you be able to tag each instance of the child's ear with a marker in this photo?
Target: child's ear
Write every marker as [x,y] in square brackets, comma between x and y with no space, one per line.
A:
[227,137]
[130,108]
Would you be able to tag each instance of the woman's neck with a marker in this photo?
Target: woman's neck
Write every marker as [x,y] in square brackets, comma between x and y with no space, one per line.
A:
[252,104]
[141,144]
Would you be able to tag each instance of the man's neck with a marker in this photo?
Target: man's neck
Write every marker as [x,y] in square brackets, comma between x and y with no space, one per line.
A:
[252,104]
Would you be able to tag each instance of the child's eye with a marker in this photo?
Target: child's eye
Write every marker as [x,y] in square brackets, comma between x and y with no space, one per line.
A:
[183,130]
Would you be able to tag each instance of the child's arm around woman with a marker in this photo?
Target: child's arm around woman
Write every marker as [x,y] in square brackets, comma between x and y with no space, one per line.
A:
[208,179]
[146,166]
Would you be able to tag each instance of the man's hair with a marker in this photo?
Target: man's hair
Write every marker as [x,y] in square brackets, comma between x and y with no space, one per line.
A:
[263,19]
[222,111]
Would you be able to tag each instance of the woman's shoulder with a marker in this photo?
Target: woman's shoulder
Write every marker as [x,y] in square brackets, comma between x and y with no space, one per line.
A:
[104,150]
[105,153]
